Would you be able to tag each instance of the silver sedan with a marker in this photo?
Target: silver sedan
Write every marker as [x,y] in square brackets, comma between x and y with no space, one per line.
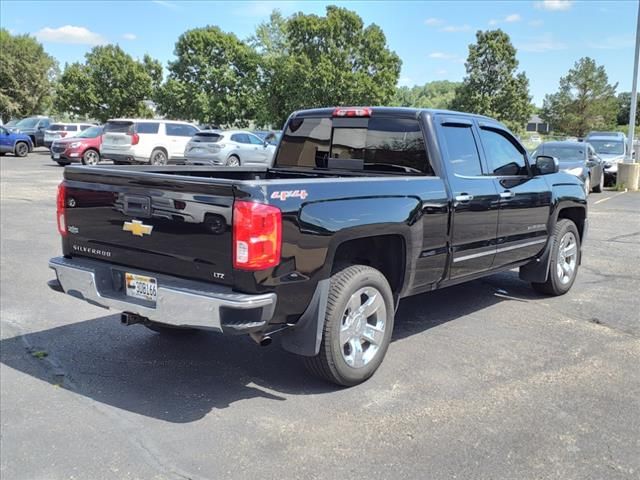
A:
[230,148]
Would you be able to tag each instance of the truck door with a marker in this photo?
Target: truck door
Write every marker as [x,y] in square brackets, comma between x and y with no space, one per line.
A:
[475,199]
[524,198]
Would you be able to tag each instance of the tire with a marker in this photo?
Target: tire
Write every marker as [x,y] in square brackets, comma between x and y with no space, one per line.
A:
[21,149]
[158,157]
[90,157]
[339,360]
[600,186]
[233,161]
[587,186]
[165,329]
[559,280]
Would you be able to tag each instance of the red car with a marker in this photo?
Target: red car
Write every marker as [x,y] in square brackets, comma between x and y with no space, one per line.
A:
[84,148]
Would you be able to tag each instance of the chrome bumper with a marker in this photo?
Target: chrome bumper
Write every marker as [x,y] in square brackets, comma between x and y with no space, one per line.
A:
[181,303]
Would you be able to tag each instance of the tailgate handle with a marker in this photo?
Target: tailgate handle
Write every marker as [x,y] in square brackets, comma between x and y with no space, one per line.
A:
[137,206]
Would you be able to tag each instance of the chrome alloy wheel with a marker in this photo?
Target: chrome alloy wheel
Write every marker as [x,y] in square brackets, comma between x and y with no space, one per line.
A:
[567,258]
[362,328]
[91,157]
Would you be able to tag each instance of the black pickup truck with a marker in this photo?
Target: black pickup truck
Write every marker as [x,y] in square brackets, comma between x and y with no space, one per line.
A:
[362,207]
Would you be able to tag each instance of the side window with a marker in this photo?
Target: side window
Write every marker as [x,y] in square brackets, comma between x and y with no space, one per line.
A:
[3,131]
[147,127]
[240,138]
[84,127]
[462,152]
[503,157]
[179,130]
[255,140]
[44,123]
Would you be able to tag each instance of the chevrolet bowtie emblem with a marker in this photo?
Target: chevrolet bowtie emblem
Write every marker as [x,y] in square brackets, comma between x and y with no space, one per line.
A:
[137,228]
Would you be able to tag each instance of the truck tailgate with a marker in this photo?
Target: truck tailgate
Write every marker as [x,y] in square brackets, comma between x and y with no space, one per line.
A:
[159,223]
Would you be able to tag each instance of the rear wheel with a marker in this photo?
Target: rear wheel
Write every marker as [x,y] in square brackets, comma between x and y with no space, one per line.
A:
[357,329]
[21,149]
[233,161]
[565,259]
[90,157]
[158,157]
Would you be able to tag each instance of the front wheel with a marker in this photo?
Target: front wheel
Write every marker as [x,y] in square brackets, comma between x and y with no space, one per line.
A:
[233,161]
[565,259]
[357,328]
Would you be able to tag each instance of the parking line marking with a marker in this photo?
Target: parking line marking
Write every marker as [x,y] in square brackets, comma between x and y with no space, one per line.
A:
[609,198]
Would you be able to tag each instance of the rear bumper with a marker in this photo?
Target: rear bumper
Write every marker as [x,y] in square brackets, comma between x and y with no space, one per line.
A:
[180,303]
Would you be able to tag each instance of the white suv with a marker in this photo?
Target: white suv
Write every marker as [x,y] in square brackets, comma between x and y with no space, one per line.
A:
[156,142]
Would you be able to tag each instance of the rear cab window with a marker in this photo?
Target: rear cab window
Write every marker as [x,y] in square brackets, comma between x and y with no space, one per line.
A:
[377,144]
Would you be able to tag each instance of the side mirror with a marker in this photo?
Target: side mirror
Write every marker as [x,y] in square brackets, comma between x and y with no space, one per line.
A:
[546,164]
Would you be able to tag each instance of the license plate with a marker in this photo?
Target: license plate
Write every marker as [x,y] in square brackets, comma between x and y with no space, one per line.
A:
[139,286]
[197,150]
[56,156]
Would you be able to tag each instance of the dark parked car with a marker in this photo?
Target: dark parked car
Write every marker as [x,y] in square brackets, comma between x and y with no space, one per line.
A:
[14,142]
[579,159]
[362,207]
[34,127]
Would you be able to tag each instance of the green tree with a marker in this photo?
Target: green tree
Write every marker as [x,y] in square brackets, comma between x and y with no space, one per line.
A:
[624,108]
[437,94]
[492,87]
[109,84]
[213,80]
[585,100]
[313,61]
[26,76]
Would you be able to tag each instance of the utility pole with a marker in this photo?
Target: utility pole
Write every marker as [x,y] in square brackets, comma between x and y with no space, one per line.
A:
[634,95]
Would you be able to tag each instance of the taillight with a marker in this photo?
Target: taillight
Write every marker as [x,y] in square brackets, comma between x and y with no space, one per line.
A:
[257,235]
[352,112]
[60,209]
[135,138]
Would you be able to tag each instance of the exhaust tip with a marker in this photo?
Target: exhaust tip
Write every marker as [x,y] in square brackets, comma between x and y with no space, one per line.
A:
[261,339]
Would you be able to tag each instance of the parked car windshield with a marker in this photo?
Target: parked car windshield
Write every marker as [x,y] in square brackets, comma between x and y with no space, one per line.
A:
[562,153]
[212,137]
[91,132]
[608,147]
[27,123]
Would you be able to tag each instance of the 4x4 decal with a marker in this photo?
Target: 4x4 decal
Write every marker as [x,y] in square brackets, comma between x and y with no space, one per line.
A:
[284,194]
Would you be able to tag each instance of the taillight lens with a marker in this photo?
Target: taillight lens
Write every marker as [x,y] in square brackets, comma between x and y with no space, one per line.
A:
[60,209]
[257,235]
[135,138]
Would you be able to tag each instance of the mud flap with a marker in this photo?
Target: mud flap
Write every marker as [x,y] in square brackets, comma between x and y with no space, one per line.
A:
[305,337]
[537,270]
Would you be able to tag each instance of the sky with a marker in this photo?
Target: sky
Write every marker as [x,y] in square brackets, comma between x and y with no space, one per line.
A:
[431,38]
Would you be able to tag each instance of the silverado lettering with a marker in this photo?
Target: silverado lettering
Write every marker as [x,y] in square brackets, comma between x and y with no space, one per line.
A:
[397,202]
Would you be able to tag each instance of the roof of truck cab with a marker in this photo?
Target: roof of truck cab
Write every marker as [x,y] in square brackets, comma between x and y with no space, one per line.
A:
[328,111]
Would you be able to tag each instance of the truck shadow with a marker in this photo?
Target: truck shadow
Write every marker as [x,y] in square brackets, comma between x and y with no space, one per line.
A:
[181,378]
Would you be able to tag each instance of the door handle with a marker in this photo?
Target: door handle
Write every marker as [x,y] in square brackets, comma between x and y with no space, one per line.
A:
[507,194]
[464,197]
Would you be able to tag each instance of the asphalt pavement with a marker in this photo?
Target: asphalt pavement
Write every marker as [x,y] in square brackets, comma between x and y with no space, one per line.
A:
[486,380]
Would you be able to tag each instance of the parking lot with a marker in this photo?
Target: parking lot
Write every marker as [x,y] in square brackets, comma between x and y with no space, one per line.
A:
[483,380]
